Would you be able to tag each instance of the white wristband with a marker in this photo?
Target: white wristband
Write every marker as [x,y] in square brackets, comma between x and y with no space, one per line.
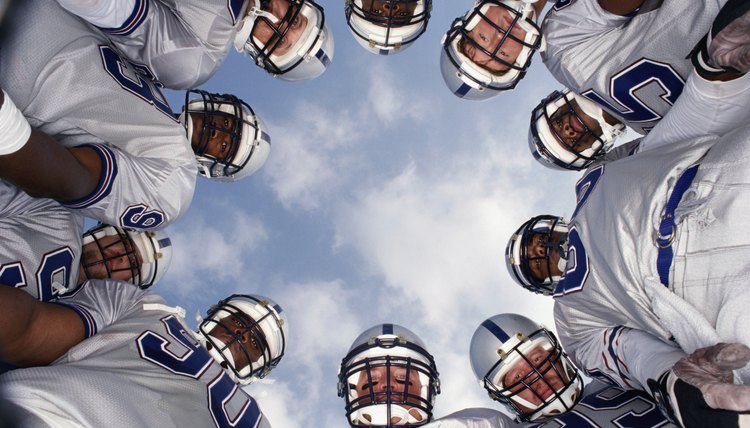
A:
[14,128]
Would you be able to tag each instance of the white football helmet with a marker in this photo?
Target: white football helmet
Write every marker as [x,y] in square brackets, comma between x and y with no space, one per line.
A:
[519,253]
[254,326]
[310,55]
[557,151]
[148,253]
[249,141]
[388,379]
[513,346]
[387,26]
[469,80]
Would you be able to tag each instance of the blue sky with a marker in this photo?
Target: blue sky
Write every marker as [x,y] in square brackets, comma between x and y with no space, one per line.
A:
[385,199]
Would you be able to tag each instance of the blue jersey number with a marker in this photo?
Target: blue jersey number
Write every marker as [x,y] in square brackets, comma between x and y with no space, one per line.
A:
[140,217]
[611,407]
[624,86]
[193,361]
[136,79]
[57,263]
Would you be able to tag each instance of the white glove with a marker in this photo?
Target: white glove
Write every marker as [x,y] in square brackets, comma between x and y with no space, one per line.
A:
[698,390]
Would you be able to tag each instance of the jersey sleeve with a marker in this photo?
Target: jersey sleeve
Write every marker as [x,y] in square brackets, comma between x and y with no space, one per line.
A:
[568,25]
[138,192]
[182,42]
[616,355]
[102,302]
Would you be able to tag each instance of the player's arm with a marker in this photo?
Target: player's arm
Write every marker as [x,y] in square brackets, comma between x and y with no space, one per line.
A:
[620,7]
[38,164]
[35,333]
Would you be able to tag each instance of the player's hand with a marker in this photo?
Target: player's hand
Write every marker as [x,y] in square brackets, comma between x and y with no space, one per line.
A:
[698,391]
[710,370]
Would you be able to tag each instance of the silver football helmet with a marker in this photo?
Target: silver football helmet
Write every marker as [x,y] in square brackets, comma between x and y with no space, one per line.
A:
[559,137]
[144,255]
[246,335]
[388,379]
[522,365]
[310,54]
[469,80]
[387,26]
[535,243]
[247,140]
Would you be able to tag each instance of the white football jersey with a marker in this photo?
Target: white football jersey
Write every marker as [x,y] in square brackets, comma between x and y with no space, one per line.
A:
[616,255]
[139,367]
[40,249]
[635,67]
[182,41]
[71,84]
[601,406]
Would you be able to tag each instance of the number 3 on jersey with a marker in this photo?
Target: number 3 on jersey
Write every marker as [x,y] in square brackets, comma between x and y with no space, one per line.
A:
[192,362]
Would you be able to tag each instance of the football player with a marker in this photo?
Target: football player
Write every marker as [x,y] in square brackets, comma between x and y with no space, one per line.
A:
[44,253]
[522,365]
[185,42]
[124,158]
[631,57]
[385,27]
[489,49]
[126,344]
[569,132]
[388,378]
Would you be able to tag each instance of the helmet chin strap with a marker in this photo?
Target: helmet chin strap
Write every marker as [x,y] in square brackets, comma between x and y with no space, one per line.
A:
[379,413]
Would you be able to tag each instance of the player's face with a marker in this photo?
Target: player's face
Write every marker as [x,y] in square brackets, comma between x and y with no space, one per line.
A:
[291,30]
[117,255]
[536,381]
[543,260]
[394,380]
[219,130]
[577,130]
[489,38]
[398,11]
[245,342]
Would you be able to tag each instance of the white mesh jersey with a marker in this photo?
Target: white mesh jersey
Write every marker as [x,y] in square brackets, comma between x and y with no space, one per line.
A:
[71,84]
[601,406]
[612,281]
[635,67]
[139,367]
[40,249]
[182,41]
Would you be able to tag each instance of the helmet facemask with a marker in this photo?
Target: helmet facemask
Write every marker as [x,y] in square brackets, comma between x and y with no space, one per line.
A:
[521,253]
[388,381]
[561,136]
[114,255]
[533,377]
[251,326]
[480,78]
[247,142]
[390,28]
[309,55]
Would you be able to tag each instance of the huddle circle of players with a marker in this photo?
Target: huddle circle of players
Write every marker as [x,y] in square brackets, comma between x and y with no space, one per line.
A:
[648,274]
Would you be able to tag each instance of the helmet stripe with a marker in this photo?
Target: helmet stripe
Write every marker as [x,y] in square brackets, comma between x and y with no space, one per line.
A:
[496,330]
[463,90]
[387,328]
